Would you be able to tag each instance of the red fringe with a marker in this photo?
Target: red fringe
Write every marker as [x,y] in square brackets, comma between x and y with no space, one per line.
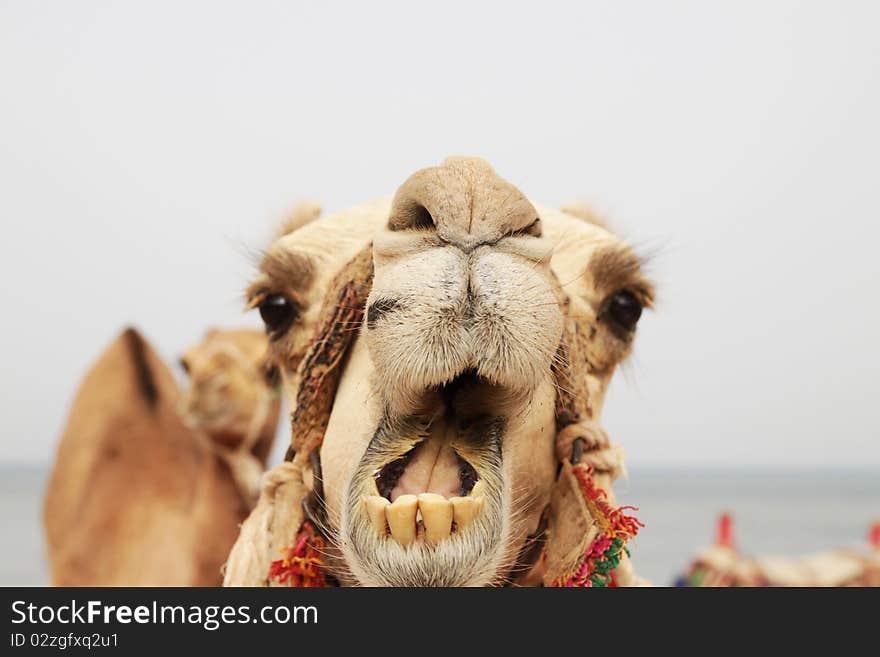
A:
[603,555]
[302,564]
[621,525]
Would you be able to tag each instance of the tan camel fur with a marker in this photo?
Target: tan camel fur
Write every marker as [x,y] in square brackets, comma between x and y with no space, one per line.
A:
[488,319]
[137,496]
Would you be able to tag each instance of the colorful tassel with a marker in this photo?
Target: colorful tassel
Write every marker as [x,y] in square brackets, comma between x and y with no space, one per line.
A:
[603,556]
[302,564]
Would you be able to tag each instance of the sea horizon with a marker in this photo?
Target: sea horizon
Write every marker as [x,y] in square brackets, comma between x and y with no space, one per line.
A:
[777,512]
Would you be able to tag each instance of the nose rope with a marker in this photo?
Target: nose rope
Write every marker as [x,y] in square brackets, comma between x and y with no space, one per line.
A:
[585,533]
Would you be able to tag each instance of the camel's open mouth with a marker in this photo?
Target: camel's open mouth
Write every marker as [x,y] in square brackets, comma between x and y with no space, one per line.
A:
[429,493]
[432,466]
[434,489]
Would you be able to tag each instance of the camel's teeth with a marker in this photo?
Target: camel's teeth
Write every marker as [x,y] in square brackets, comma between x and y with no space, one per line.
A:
[401,515]
[464,510]
[375,508]
[436,516]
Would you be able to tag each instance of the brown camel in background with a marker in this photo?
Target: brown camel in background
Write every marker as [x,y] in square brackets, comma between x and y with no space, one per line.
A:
[150,485]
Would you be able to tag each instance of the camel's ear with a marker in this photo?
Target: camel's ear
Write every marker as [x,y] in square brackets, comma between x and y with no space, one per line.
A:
[586,213]
[302,214]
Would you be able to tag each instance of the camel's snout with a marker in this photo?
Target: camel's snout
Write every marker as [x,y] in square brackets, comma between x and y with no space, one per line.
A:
[461,282]
[440,312]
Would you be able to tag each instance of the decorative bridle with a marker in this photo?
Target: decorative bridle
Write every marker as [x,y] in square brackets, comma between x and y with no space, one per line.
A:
[581,539]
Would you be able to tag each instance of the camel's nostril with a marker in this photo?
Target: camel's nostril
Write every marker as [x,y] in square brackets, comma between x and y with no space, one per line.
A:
[410,215]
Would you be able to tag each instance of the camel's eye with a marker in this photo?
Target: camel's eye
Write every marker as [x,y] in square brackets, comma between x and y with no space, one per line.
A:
[624,310]
[278,313]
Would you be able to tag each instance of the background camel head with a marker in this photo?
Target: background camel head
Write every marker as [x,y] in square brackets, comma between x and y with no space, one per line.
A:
[231,394]
[440,452]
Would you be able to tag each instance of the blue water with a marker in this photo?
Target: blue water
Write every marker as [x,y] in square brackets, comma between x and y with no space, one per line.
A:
[775,511]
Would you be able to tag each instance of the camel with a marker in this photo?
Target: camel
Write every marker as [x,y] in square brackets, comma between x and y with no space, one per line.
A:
[445,354]
[150,485]
[724,565]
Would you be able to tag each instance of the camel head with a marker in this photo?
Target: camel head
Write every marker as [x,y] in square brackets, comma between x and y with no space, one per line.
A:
[230,394]
[441,448]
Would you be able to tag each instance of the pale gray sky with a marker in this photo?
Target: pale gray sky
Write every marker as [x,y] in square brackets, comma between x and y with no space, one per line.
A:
[146,147]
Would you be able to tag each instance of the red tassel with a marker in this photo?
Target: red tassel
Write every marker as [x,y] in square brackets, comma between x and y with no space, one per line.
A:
[302,564]
[724,536]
